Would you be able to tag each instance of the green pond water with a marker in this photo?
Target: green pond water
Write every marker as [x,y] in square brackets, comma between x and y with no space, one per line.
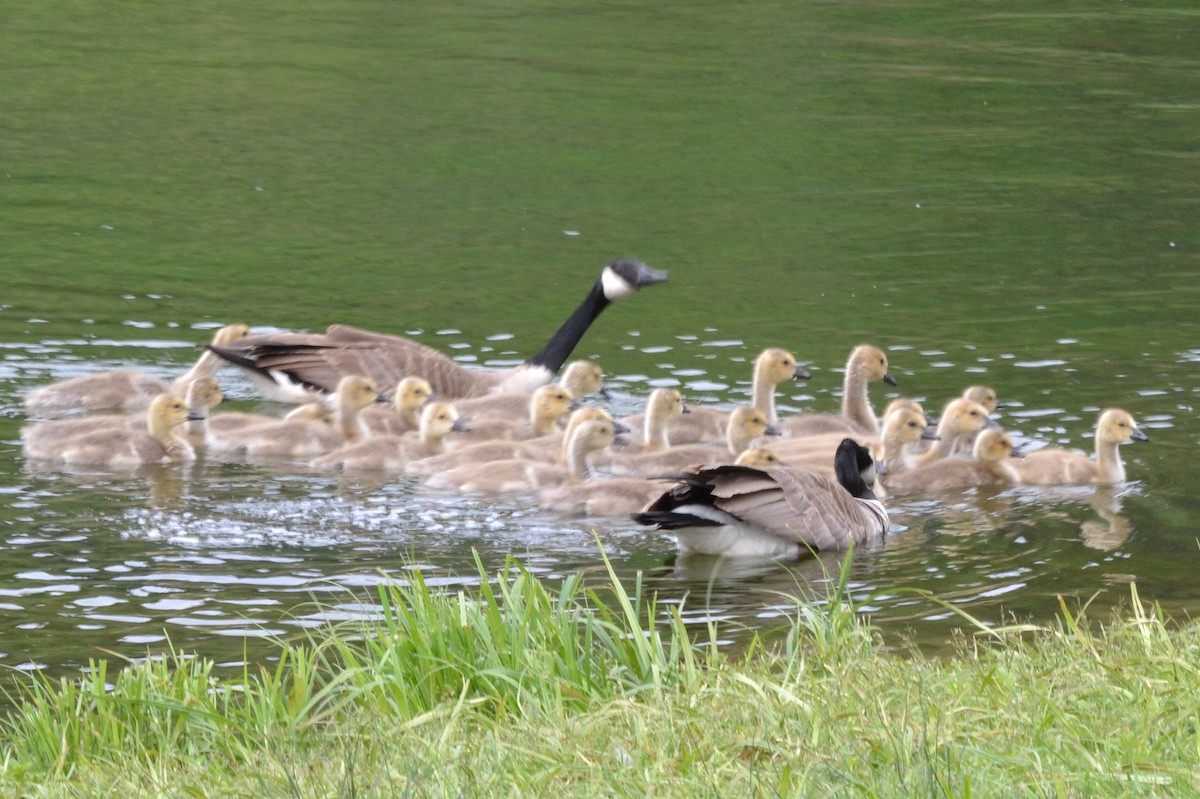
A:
[994,193]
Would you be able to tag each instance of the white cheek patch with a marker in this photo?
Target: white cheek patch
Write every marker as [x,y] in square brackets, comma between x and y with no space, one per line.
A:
[614,286]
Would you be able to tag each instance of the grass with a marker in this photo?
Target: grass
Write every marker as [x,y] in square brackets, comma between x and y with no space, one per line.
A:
[516,689]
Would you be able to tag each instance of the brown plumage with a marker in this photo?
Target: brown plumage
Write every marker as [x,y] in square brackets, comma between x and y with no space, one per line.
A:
[779,512]
[289,366]
[126,389]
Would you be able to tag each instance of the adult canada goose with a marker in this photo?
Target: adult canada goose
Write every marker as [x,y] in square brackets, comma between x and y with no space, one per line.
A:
[294,438]
[960,417]
[408,400]
[521,475]
[990,464]
[865,365]
[390,453]
[772,367]
[43,439]
[288,367]
[126,389]
[745,425]
[621,496]
[122,448]
[543,409]
[580,378]
[1061,467]
[778,512]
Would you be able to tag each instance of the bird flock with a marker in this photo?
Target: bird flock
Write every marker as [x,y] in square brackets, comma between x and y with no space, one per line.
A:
[738,482]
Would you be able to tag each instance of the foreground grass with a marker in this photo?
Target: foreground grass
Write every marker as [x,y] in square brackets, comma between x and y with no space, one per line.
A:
[574,693]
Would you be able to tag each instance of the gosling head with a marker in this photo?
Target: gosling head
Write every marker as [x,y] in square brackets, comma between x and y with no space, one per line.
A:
[903,425]
[984,395]
[1116,426]
[759,458]
[412,393]
[551,402]
[962,416]
[167,411]
[665,404]
[204,394]
[438,420]
[584,377]
[357,392]
[229,334]
[747,423]
[776,365]
[871,363]
[993,445]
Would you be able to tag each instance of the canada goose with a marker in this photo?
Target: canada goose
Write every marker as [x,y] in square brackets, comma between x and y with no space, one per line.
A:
[778,512]
[289,366]
[865,365]
[548,448]
[990,464]
[1061,467]
[959,417]
[621,496]
[745,425]
[772,367]
[300,438]
[203,395]
[663,406]
[389,453]
[543,409]
[520,475]
[121,448]
[126,389]
[408,399]
[580,378]
[43,439]
[903,424]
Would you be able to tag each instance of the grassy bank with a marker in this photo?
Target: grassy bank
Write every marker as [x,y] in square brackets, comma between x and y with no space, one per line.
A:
[574,693]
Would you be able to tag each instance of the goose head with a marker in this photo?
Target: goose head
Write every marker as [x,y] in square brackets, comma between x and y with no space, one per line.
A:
[992,446]
[905,403]
[166,412]
[357,392]
[904,425]
[747,423]
[549,403]
[438,420]
[590,413]
[962,416]
[854,467]
[774,366]
[759,458]
[229,334]
[624,276]
[1116,426]
[204,394]
[584,377]
[411,395]
[870,364]
[984,395]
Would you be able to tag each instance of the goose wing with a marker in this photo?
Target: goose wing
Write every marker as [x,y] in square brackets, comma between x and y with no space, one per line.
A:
[319,360]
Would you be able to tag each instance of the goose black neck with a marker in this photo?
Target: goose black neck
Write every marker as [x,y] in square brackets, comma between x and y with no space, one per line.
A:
[562,343]
[849,470]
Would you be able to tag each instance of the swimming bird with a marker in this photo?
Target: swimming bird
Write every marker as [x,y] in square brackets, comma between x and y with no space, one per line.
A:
[390,453]
[543,409]
[865,365]
[772,367]
[122,448]
[621,496]
[960,417]
[1061,467]
[523,475]
[289,367]
[990,464]
[746,424]
[44,439]
[291,439]
[408,400]
[126,389]
[777,512]
[580,378]
[663,406]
